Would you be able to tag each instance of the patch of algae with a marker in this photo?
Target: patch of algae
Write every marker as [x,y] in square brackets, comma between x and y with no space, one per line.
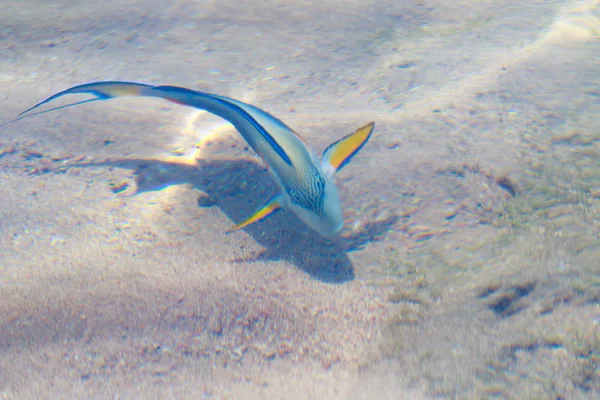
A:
[416,28]
[546,363]
[538,304]
[545,286]
[584,347]
[558,190]
[410,292]
[454,29]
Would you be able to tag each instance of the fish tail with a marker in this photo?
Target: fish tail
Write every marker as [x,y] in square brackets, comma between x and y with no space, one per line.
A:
[102,91]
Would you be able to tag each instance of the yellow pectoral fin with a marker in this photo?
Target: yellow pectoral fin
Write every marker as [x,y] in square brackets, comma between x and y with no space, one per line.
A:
[269,208]
[339,153]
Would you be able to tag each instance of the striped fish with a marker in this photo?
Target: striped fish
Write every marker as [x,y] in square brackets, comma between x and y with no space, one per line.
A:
[306,183]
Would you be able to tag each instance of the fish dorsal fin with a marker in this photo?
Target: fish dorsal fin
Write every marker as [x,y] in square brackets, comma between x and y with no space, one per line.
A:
[339,153]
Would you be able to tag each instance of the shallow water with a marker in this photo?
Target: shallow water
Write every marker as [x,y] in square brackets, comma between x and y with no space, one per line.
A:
[468,266]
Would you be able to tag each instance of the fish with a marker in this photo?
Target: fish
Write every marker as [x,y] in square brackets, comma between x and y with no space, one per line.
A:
[306,183]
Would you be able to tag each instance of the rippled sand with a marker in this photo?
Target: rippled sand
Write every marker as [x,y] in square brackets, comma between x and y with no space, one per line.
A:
[469,263]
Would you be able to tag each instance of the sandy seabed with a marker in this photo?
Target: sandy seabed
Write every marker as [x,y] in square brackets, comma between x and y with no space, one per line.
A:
[469,264]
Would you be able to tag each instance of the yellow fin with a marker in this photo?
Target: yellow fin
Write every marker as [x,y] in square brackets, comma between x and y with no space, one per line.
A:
[339,153]
[269,208]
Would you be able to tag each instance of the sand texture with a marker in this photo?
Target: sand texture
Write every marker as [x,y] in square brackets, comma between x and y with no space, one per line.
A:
[469,262]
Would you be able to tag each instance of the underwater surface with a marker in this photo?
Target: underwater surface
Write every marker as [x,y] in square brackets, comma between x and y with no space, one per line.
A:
[468,265]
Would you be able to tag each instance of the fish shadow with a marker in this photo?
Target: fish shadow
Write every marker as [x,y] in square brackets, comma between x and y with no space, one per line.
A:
[239,187]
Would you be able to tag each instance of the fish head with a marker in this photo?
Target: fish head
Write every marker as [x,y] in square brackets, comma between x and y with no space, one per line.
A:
[318,205]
